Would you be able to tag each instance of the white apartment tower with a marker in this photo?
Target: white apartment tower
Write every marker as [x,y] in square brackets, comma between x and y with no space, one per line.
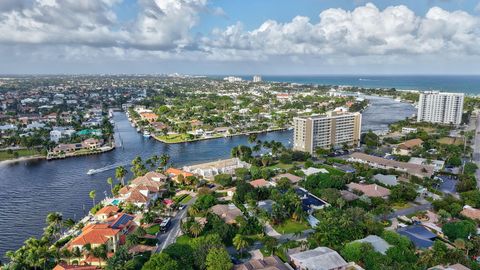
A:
[257,78]
[442,108]
[325,131]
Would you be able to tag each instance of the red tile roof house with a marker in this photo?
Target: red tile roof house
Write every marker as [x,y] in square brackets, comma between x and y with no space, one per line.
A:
[406,147]
[261,183]
[140,196]
[173,173]
[227,212]
[470,212]
[112,233]
[372,190]
[63,266]
[106,212]
[292,178]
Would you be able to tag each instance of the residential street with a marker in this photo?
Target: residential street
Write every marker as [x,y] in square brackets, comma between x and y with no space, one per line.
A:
[166,239]
[476,151]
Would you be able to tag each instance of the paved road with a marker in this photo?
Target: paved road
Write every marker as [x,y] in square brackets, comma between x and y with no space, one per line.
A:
[169,238]
[410,210]
[476,150]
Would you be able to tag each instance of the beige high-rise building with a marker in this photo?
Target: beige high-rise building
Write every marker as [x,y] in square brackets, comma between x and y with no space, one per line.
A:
[325,131]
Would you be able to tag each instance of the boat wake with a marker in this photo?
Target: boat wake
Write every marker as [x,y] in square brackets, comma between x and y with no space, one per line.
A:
[107,168]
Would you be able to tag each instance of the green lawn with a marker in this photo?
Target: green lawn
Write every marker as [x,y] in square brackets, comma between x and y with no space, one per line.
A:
[186,199]
[174,138]
[331,170]
[153,230]
[285,166]
[291,226]
[4,155]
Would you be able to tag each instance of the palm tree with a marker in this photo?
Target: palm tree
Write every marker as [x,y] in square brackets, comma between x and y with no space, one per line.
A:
[196,229]
[54,221]
[66,254]
[252,138]
[164,159]
[193,210]
[92,195]
[69,223]
[120,173]
[240,242]
[110,182]
[100,253]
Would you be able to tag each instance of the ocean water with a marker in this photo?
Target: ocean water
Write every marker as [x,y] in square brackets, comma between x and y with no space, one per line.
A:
[468,84]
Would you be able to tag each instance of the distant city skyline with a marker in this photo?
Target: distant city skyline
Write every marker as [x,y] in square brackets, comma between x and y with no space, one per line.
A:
[248,37]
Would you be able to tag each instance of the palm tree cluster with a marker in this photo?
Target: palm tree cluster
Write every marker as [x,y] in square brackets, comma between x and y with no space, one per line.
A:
[46,251]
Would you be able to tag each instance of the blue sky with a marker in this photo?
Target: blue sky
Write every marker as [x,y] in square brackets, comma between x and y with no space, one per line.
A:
[240,36]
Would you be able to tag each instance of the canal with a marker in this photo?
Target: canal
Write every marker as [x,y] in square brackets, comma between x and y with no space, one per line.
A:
[29,190]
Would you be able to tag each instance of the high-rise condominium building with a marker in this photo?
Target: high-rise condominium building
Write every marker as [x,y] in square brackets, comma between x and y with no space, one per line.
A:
[438,107]
[325,131]
[257,78]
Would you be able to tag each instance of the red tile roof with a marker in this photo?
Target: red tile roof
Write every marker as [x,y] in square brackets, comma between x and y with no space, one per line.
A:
[108,210]
[64,266]
[260,183]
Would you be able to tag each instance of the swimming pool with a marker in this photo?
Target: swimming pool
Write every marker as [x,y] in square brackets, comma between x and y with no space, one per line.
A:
[115,202]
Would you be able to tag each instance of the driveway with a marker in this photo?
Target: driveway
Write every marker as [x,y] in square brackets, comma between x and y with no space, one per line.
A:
[170,237]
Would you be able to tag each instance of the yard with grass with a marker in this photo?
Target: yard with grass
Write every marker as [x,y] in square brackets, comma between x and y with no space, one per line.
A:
[285,166]
[450,141]
[174,138]
[6,155]
[291,226]
[153,230]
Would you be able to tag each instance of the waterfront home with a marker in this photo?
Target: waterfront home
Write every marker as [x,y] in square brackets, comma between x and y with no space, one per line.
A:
[159,126]
[292,178]
[370,190]
[227,212]
[148,116]
[173,173]
[66,148]
[92,143]
[382,163]
[151,179]
[210,169]
[267,263]
[140,196]
[405,148]
[320,258]
[260,183]
[106,212]
[111,233]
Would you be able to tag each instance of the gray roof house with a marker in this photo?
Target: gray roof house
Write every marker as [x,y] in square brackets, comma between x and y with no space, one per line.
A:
[377,242]
[389,180]
[321,258]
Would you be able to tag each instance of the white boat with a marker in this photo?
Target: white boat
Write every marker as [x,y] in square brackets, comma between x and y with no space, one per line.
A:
[91,171]
[146,134]
[138,129]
